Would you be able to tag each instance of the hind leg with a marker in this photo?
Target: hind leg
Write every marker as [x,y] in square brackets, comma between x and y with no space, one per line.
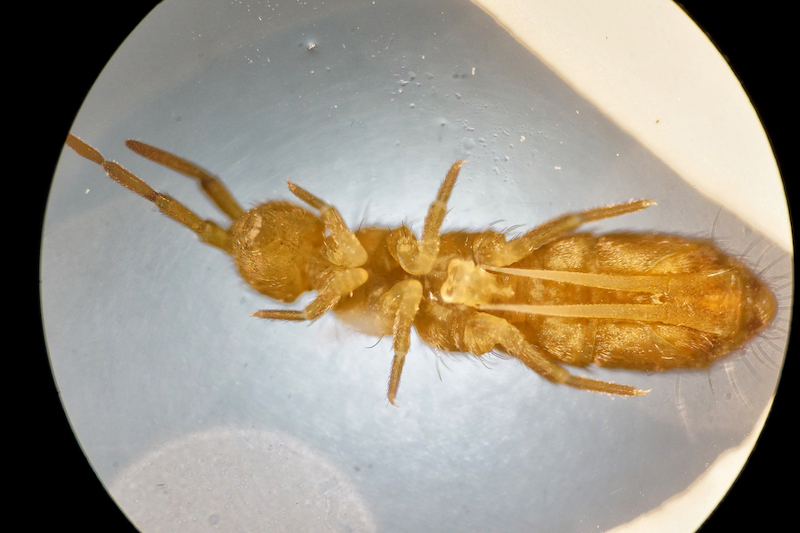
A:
[483,332]
[493,250]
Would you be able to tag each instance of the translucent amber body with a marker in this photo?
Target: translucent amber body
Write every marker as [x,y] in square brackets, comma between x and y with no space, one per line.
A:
[551,296]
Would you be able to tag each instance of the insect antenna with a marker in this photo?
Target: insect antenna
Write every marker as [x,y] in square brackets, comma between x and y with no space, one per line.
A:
[210,184]
[208,231]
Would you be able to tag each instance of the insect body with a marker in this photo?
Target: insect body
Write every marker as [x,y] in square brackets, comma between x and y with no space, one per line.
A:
[550,296]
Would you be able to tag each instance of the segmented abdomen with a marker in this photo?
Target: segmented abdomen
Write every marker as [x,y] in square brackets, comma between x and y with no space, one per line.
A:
[635,344]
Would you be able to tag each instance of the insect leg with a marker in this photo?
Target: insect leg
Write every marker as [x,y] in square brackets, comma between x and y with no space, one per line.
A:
[492,249]
[342,247]
[484,331]
[417,257]
[340,282]
[401,304]
[210,184]
[207,230]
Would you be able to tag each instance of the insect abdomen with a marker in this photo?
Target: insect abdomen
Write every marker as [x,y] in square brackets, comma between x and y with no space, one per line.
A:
[710,304]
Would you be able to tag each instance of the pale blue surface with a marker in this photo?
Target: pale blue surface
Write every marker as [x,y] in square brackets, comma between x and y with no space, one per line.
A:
[149,331]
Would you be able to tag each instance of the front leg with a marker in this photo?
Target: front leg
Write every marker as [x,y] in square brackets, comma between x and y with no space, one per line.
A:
[342,247]
[483,332]
[339,283]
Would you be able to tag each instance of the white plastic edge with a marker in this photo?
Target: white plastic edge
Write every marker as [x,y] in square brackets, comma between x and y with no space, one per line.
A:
[650,69]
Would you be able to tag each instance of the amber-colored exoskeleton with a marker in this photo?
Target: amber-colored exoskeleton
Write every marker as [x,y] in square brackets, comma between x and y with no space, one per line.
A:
[645,302]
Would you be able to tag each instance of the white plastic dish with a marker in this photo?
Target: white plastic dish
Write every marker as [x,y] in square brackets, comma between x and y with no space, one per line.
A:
[181,401]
